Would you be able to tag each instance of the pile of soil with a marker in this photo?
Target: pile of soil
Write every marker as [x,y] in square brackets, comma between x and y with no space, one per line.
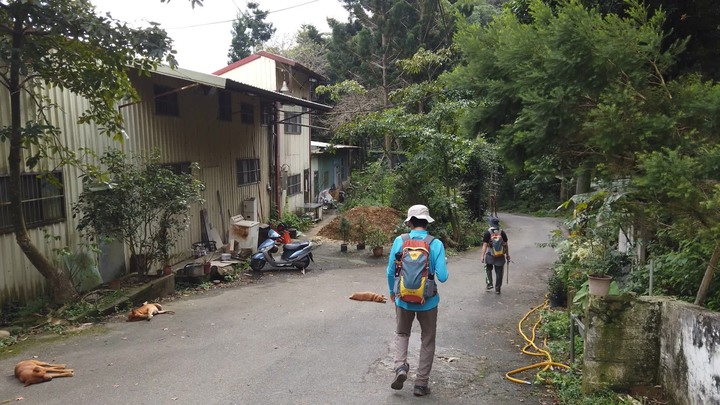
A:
[384,218]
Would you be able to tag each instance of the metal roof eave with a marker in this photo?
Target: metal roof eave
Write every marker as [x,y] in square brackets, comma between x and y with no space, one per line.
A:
[274,96]
[192,76]
[228,84]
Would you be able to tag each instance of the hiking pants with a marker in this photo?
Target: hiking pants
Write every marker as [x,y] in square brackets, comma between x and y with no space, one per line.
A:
[428,326]
[498,273]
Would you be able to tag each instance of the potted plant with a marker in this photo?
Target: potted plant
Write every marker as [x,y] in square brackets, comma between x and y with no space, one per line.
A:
[361,233]
[376,239]
[345,232]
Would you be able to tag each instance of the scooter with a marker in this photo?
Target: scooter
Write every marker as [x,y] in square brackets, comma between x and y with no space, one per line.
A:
[296,255]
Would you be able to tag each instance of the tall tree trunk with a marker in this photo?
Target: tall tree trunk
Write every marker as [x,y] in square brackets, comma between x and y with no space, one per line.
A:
[707,278]
[61,286]
[583,180]
[386,99]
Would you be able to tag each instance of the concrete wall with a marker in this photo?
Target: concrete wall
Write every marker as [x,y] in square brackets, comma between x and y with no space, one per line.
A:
[653,341]
[622,345]
[690,353]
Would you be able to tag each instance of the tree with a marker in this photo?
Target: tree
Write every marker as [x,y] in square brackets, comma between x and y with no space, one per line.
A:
[142,204]
[378,35]
[542,83]
[307,47]
[63,43]
[249,31]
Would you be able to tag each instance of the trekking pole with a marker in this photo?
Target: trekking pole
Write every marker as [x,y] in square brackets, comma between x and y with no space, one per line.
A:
[507,276]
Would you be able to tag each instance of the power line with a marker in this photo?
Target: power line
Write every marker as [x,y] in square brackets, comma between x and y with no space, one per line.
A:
[227,21]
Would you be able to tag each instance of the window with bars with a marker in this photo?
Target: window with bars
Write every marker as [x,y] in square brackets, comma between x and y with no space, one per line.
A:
[267,115]
[166,101]
[292,121]
[224,105]
[43,200]
[248,171]
[293,184]
[247,113]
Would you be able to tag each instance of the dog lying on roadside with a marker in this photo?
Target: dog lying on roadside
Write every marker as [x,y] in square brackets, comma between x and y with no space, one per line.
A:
[34,371]
[368,296]
[146,311]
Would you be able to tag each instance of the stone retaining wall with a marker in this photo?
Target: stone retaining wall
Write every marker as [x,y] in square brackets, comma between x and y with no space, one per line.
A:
[648,341]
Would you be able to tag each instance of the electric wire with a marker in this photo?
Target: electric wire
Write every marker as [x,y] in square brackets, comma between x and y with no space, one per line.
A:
[537,351]
[227,21]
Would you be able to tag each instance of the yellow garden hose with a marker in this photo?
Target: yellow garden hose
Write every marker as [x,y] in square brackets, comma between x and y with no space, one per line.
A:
[537,351]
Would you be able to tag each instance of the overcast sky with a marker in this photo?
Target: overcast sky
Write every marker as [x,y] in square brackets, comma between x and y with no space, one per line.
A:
[202,36]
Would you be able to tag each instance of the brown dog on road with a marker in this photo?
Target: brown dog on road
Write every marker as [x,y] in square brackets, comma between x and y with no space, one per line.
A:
[368,296]
[146,311]
[34,371]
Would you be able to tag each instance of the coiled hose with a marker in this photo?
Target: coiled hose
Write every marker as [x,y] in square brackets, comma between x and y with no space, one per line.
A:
[536,350]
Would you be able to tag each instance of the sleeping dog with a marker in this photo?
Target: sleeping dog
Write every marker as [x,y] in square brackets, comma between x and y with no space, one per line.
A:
[34,371]
[146,311]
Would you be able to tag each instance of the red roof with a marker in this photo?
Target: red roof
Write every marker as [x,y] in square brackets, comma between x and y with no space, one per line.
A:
[276,58]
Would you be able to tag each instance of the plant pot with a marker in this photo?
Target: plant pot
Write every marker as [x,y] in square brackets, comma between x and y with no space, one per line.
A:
[343,247]
[167,270]
[206,268]
[360,246]
[293,233]
[599,284]
[378,251]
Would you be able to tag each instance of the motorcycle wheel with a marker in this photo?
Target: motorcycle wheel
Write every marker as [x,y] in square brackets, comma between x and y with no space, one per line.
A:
[303,263]
[257,264]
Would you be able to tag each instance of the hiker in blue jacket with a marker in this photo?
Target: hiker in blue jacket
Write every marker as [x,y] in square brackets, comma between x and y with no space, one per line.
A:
[417,219]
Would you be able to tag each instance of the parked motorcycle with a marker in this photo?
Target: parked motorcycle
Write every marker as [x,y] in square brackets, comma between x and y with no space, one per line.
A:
[296,255]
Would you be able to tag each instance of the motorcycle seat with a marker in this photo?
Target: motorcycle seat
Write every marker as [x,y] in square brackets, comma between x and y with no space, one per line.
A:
[296,246]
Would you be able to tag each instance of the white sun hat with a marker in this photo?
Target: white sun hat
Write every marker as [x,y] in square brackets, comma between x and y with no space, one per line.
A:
[419,212]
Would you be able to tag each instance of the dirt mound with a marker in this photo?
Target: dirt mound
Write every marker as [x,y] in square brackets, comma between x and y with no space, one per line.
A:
[383,218]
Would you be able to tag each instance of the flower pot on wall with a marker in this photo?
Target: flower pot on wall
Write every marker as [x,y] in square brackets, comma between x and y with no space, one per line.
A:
[378,251]
[343,247]
[360,246]
[599,284]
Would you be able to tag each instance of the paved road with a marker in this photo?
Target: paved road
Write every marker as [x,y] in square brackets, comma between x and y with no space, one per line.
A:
[294,339]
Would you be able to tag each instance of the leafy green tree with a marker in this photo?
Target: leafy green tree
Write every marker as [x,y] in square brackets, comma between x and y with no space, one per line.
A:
[63,43]
[539,83]
[250,31]
[142,204]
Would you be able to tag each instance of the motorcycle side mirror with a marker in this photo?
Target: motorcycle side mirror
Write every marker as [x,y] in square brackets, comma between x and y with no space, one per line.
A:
[272,234]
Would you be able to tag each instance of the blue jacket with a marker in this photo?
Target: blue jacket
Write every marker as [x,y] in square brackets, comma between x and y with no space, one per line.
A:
[438,266]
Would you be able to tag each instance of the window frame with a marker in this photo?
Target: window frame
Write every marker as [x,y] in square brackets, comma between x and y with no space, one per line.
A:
[224,105]
[38,204]
[247,175]
[294,184]
[292,121]
[247,113]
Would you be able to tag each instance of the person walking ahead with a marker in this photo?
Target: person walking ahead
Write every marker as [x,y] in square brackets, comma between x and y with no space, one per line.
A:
[410,304]
[495,253]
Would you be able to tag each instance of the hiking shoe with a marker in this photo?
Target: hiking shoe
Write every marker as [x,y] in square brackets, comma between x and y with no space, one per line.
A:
[497,290]
[421,390]
[400,377]
[489,287]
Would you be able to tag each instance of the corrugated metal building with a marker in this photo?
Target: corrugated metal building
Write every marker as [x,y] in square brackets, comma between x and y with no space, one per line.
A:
[228,127]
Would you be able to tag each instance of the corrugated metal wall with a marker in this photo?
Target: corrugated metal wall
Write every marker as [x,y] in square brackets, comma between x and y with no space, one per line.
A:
[196,135]
[19,280]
